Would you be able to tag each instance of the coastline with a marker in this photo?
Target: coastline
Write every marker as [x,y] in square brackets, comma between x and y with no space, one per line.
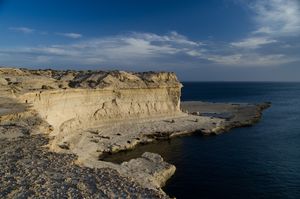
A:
[85,146]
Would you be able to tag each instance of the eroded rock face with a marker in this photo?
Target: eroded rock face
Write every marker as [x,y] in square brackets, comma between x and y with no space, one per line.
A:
[93,113]
[3,82]
[149,169]
[67,110]
[69,100]
[28,80]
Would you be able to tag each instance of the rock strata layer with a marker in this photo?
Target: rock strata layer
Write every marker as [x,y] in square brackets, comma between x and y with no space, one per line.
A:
[87,115]
[90,98]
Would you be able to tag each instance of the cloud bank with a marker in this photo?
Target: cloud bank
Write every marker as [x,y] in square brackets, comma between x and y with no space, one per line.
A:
[272,42]
[277,17]
[70,35]
[25,30]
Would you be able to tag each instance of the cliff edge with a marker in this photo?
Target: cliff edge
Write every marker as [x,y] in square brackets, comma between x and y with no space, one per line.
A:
[85,116]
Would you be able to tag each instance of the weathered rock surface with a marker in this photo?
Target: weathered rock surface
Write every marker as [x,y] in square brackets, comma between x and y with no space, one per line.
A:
[149,169]
[232,115]
[88,115]
[29,80]
[89,98]
[28,170]
[65,103]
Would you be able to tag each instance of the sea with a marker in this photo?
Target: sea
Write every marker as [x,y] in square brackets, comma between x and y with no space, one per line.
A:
[261,161]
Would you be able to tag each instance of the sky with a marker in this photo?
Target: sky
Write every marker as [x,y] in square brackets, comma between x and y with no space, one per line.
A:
[200,40]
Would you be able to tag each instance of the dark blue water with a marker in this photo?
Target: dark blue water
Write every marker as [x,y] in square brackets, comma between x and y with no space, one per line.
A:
[262,161]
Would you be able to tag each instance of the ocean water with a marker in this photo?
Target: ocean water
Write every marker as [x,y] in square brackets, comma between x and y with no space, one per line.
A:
[262,161]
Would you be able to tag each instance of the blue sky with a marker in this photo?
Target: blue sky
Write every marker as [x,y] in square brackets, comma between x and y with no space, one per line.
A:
[201,40]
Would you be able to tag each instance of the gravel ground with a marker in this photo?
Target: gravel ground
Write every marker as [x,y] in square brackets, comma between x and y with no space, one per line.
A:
[29,170]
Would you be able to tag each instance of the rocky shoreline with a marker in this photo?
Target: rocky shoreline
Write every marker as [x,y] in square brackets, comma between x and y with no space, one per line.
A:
[56,127]
[29,170]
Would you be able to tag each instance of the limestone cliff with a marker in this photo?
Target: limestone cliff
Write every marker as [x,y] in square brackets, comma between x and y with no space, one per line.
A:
[94,114]
[70,100]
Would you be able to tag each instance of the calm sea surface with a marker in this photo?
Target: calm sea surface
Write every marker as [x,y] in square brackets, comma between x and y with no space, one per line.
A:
[262,161]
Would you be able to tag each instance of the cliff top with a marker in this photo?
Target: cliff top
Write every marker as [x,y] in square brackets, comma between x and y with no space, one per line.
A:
[25,79]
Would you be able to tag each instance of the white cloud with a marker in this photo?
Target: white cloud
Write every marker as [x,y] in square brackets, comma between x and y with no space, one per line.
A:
[70,35]
[144,49]
[233,59]
[52,50]
[172,37]
[131,48]
[194,53]
[142,45]
[252,59]
[253,42]
[277,17]
[25,30]
[263,30]
[275,21]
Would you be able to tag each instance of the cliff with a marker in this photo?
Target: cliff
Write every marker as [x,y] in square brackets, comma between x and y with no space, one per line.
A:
[86,116]
[67,104]
[68,100]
